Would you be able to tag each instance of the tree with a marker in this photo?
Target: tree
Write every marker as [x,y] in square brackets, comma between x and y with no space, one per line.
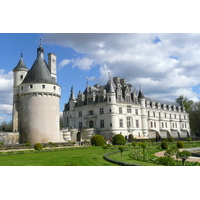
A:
[121,150]
[184,101]
[183,155]
[105,147]
[143,146]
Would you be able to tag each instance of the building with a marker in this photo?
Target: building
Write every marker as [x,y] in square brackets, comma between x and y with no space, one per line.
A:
[36,97]
[115,108]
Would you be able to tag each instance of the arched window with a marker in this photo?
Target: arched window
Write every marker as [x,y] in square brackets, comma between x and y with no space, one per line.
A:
[91,124]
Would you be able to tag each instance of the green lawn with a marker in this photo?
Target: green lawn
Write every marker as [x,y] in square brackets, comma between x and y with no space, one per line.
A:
[93,156]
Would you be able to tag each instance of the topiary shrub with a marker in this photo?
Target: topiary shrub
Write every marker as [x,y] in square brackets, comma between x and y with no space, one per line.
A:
[38,146]
[164,145]
[98,140]
[180,144]
[119,140]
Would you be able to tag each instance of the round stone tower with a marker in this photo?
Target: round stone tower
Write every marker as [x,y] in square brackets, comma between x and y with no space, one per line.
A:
[39,96]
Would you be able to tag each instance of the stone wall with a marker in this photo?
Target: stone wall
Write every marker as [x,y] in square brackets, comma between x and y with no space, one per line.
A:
[9,137]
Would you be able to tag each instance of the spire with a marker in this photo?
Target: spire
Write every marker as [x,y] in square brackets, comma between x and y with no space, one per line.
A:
[140,95]
[40,50]
[72,96]
[21,65]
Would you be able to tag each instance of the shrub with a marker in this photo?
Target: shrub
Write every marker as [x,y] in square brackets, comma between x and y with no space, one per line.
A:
[38,146]
[166,160]
[170,139]
[98,140]
[119,140]
[164,145]
[27,144]
[180,144]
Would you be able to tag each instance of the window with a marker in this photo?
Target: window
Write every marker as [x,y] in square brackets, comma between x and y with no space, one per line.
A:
[101,99]
[120,110]
[31,86]
[136,111]
[137,123]
[22,88]
[54,87]
[155,124]
[128,109]
[101,111]
[166,124]
[21,76]
[151,124]
[165,115]
[110,99]
[43,86]
[128,100]
[121,123]
[80,125]
[154,114]
[119,98]
[91,124]
[80,113]
[110,124]
[91,112]
[102,123]
[128,122]
[148,114]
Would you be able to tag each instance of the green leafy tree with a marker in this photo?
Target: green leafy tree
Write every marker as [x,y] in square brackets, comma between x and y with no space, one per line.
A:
[98,140]
[121,150]
[143,146]
[183,155]
[171,151]
[105,147]
[185,102]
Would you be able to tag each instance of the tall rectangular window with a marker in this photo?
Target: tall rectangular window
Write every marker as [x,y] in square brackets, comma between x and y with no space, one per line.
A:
[101,111]
[80,113]
[102,123]
[120,110]
[80,125]
[137,123]
[128,122]
[121,123]
[136,111]
[43,86]
[128,109]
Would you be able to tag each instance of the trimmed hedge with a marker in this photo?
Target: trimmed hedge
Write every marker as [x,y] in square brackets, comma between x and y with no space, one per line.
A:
[119,140]
[98,140]
[164,145]
[180,144]
[38,146]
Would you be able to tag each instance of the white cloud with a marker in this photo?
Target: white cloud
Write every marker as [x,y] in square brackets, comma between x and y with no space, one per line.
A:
[83,64]
[63,63]
[165,64]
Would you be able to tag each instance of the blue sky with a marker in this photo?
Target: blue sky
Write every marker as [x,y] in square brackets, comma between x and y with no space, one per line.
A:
[166,65]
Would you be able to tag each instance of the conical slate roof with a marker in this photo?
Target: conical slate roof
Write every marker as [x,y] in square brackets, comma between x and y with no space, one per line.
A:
[21,65]
[72,96]
[39,72]
[140,95]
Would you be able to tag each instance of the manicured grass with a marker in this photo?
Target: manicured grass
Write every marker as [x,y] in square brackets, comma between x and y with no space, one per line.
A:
[126,158]
[93,156]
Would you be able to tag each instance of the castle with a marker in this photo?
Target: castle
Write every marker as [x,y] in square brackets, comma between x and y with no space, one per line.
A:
[36,97]
[114,108]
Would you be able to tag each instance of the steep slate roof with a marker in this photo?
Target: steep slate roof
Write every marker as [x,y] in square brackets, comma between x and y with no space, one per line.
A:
[39,72]
[140,95]
[21,65]
[163,102]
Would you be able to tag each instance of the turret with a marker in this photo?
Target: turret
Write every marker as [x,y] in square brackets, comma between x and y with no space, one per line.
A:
[141,99]
[20,72]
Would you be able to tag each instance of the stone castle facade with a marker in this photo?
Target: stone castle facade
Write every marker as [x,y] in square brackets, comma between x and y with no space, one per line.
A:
[115,108]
